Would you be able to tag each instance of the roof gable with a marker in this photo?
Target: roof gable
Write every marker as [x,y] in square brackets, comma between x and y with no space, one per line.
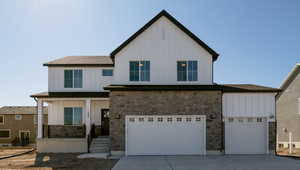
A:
[176,23]
[291,76]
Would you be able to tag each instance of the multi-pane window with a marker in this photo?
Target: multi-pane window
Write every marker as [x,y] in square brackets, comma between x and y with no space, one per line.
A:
[73,79]
[187,70]
[107,72]
[139,70]
[1,119]
[72,115]
[4,133]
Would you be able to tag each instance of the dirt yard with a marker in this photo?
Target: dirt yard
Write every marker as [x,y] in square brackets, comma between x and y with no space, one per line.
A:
[55,161]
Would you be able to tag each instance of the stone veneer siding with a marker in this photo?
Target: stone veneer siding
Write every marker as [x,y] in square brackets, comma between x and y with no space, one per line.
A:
[66,131]
[272,136]
[207,103]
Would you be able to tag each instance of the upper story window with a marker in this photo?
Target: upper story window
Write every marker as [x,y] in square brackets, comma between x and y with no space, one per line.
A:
[72,115]
[107,72]
[73,79]
[139,70]
[187,71]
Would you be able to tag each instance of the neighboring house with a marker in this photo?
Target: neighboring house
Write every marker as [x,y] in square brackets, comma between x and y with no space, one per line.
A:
[288,111]
[154,95]
[17,122]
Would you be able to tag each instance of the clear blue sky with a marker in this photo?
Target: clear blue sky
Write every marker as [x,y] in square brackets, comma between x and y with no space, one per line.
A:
[258,41]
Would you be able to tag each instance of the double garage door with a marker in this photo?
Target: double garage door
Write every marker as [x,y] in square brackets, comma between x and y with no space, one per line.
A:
[246,136]
[165,135]
[186,135]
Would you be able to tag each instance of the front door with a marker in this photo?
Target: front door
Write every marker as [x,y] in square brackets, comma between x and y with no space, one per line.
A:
[104,122]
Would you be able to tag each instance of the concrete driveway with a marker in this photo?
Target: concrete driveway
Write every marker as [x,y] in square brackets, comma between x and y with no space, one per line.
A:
[235,162]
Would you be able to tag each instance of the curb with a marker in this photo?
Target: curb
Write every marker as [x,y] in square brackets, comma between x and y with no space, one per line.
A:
[17,154]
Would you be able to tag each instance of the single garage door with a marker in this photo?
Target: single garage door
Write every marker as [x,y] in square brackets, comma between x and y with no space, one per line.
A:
[246,136]
[165,135]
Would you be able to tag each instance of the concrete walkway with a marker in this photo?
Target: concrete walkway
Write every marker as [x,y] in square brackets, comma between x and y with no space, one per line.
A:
[234,162]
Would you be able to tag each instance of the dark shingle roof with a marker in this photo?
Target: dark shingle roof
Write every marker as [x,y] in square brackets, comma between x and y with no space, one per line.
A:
[175,22]
[102,61]
[71,94]
[220,87]
[247,88]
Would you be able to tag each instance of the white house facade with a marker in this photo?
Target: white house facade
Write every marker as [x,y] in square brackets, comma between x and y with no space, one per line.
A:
[153,95]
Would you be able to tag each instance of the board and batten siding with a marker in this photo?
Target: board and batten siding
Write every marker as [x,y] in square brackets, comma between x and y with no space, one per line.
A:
[248,104]
[92,79]
[56,110]
[163,44]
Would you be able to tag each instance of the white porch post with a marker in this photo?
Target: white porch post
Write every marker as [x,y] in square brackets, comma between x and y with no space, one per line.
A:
[40,104]
[88,115]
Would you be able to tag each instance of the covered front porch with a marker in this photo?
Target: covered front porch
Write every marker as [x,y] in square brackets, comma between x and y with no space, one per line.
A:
[72,121]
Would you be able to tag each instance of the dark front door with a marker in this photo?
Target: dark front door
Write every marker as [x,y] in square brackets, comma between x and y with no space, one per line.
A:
[104,122]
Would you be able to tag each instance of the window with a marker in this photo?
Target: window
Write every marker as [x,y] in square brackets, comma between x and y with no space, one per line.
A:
[259,119]
[230,119]
[72,115]
[107,72]
[187,70]
[73,79]
[4,133]
[1,119]
[150,119]
[18,117]
[139,70]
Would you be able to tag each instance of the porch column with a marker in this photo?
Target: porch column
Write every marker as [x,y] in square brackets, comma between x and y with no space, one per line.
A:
[87,115]
[40,104]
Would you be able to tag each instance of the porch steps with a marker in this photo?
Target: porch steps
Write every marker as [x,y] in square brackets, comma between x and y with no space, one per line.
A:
[100,145]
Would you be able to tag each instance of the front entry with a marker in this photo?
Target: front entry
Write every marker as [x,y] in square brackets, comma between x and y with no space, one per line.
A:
[104,122]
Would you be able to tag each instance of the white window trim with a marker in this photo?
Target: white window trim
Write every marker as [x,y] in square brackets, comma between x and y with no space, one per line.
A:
[73,77]
[2,123]
[108,69]
[8,133]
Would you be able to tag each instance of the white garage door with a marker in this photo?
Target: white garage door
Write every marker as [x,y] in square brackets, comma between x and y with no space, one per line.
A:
[165,135]
[246,136]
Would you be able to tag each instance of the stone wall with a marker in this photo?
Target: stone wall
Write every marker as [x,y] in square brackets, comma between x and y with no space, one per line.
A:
[66,131]
[207,103]
[272,136]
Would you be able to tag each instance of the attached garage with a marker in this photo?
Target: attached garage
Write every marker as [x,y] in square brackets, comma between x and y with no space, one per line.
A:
[166,135]
[247,117]
[246,136]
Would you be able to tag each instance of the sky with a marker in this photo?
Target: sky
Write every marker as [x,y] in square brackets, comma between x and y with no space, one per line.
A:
[258,41]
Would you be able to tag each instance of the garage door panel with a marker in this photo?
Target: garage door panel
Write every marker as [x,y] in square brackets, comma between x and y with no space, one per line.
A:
[165,138]
[246,137]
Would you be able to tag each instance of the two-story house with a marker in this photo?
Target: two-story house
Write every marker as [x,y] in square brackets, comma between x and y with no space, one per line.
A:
[154,95]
